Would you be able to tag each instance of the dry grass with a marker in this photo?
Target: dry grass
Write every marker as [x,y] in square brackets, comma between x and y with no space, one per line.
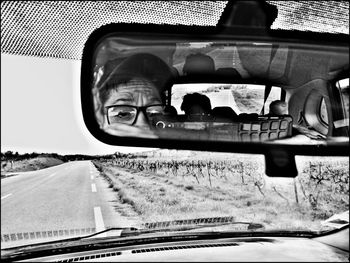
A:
[161,196]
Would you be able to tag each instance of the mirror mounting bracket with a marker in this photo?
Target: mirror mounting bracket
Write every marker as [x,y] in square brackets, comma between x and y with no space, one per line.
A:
[242,13]
[280,163]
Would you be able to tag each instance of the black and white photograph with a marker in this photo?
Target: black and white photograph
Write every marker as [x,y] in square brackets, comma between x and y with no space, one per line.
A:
[175,131]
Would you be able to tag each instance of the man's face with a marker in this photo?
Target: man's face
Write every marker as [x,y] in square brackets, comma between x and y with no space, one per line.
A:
[195,109]
[280,109]
[137,92]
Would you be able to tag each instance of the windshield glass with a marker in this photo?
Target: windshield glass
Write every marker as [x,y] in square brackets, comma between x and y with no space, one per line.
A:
[59,181]
[242,98]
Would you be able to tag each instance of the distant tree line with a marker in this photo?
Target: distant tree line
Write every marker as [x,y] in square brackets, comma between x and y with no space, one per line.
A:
[15,156]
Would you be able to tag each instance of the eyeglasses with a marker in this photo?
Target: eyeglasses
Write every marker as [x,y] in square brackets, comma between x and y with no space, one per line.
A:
[127,114]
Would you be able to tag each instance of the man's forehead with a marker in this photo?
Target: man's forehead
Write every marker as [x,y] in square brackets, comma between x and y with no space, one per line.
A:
[132,90]
[138,86]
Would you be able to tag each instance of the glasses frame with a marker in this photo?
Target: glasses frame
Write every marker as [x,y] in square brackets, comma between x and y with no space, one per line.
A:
[138,109]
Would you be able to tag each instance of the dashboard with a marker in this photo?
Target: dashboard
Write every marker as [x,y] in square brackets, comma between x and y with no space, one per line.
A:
[227,249]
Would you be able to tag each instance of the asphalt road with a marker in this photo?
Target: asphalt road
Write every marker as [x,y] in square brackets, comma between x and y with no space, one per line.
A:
[67,197]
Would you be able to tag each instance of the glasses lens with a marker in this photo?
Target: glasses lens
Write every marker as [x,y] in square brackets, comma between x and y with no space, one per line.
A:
[154,110]
[121,114]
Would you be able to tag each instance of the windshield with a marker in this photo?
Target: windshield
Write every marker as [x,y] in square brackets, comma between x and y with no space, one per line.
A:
[58,181]
[242,98]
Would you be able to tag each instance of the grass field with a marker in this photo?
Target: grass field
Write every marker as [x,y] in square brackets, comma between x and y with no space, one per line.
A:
[243,191]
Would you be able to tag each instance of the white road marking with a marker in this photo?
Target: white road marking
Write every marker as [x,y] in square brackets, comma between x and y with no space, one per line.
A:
[100,226]
[92,177]
[5,196]
[52,174]
[93,188]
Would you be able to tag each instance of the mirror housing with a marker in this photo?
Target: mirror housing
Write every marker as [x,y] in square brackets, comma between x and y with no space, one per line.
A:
[165,34]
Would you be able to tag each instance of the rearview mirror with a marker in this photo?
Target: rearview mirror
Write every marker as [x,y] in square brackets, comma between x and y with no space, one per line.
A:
[205,89]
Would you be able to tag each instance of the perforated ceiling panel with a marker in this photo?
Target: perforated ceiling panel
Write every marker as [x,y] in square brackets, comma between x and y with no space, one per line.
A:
[60,29]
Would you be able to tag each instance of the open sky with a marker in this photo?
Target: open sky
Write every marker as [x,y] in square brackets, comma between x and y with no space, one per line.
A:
[41,109]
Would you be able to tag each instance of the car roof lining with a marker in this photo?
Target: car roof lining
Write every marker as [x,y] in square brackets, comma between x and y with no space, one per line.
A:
[284,65]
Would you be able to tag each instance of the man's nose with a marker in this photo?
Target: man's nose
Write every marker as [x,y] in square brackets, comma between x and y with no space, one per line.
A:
[141,120]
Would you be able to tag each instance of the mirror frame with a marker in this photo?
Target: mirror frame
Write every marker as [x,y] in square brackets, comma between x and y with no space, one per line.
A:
[193,33]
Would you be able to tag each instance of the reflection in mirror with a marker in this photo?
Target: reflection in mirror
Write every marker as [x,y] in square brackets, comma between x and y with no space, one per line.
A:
[244,92]
[343,86]
[128,94]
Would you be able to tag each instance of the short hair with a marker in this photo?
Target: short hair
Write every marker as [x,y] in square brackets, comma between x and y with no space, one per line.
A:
[192,99]
[276,105]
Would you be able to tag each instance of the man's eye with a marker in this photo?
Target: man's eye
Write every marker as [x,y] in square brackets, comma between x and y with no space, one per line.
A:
[122,114]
